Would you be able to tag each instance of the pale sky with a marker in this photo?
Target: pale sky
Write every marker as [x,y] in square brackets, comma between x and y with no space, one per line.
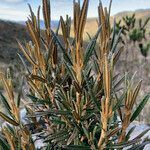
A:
[17,10]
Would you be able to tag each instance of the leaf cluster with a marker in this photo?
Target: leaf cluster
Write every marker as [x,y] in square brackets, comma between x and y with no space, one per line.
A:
[77,100]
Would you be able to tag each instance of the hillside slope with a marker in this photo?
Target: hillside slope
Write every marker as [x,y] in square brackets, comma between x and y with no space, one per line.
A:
[91,26]
[140,13]
[9,32]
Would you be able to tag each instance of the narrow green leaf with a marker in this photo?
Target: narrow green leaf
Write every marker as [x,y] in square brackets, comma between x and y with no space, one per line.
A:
[66,56]
[117,55]
[116,42]
[142,134]
[72,137]
[52,112]
[3,143]
[9,120]
[55,135]
[140,107]
[58,122]
[97,103]
[114,33]
[5,103]
[123,145]
[19,94]
[129,133]
[119,82]
[140,146]
[76,147]
[70,71]
[91,46]
[85,132]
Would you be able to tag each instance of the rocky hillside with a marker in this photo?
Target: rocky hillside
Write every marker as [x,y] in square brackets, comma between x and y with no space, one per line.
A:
[9,33]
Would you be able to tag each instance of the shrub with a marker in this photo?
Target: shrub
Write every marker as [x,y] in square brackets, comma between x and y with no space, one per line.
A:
[77,101]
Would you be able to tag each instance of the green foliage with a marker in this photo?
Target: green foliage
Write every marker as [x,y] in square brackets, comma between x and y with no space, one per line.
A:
[73,104]
[140,107]
[135,30]
[144,49]
[129,22]
[136,35]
